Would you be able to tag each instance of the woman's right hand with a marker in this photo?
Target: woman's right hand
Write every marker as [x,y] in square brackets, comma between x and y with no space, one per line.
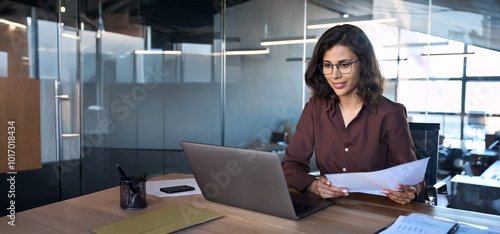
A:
[324,188]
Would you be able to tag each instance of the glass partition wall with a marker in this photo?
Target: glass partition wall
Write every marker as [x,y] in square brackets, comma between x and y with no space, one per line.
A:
[134,78]
[40,44]
[151,79]
[265,89]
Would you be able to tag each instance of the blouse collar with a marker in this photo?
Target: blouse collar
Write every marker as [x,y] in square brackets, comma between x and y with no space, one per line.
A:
[331,104]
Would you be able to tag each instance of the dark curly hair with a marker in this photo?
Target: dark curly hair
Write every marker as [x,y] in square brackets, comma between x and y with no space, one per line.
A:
[370,86]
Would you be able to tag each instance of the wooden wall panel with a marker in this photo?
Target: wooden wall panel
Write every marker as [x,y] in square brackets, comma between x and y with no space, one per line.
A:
[19,102]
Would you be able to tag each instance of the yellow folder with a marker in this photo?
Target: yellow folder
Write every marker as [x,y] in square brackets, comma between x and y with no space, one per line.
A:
[164,220]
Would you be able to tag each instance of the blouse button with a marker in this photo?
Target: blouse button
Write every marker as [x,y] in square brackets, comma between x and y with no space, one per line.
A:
[343,169]
[346,149]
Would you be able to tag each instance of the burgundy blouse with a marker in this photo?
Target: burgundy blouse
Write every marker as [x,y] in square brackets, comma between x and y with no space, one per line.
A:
[377,138]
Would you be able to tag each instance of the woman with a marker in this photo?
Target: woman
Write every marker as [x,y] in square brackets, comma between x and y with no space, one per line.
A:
[347,122]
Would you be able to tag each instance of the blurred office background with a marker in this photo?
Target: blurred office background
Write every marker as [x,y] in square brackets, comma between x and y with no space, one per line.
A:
[125,81]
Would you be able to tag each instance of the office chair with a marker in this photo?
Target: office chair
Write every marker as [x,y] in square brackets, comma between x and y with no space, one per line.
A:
[277,137]
[426,139]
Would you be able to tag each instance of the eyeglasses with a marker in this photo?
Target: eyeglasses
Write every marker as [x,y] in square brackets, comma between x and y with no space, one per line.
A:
[344,67]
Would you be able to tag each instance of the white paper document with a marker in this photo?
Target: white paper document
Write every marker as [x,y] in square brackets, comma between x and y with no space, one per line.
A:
[153,187]
[421,226]
[464,228]
[407,174]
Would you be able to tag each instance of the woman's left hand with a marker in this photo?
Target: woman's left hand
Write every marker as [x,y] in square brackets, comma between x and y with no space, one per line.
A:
[402,197]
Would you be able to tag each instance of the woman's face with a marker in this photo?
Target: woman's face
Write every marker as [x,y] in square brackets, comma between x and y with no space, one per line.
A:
[344,85]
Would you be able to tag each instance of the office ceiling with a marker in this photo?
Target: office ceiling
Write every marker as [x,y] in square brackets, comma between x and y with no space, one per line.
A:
[178,14]
[483,7]
[351,7]
[192,21]
[171,21]
[365,7]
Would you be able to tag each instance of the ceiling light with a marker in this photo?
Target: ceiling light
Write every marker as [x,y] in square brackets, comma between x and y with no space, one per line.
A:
[70,36]
[416,44]
[448,54]
[244,52]
[350,20]
[12,23]
[175,52]
[70,135]
[288,41]
[95,108]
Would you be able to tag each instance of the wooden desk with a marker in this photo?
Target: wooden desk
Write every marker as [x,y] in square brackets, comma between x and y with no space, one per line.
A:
[357,213]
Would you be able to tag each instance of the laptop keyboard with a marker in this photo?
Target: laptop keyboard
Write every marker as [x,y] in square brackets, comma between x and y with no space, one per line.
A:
[301,208]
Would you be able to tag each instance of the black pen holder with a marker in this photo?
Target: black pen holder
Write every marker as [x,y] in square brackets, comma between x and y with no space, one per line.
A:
[132,193]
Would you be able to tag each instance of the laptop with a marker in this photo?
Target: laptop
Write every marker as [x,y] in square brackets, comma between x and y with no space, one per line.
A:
[248,179]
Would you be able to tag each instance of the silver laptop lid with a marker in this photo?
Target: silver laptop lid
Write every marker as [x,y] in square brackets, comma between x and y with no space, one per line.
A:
[242,178]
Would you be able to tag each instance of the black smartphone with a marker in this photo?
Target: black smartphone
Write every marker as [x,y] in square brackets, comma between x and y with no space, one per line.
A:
[177,189]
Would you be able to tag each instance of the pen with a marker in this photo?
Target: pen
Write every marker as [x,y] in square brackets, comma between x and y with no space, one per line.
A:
[454,228]
[125,177]
[122,173]
[143,176]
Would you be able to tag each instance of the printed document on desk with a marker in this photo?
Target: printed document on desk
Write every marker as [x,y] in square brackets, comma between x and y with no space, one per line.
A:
[408,174]
[422,223]
[406,224]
